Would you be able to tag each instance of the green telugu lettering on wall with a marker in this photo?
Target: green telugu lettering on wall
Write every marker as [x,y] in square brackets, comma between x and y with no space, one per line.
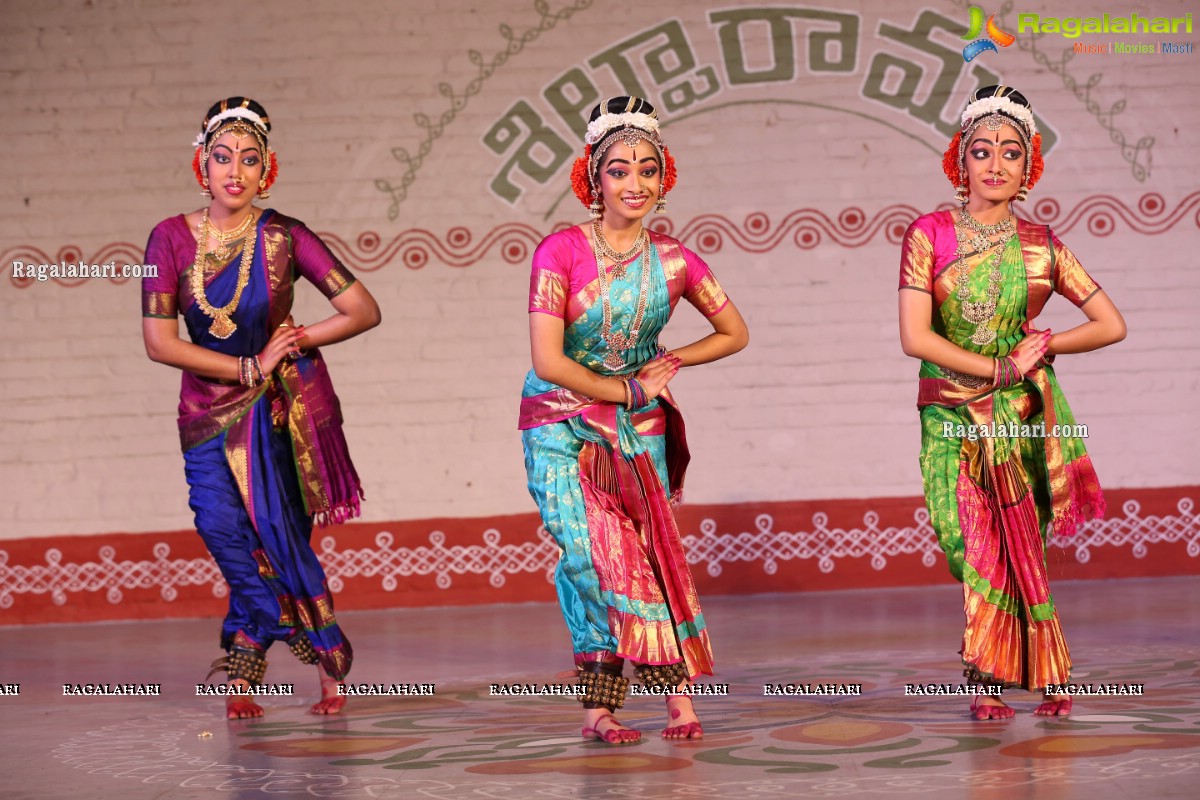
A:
[660,62]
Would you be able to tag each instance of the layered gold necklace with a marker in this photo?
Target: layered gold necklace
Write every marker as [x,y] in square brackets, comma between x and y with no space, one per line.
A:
[975,237]
[222,326]
[618,343]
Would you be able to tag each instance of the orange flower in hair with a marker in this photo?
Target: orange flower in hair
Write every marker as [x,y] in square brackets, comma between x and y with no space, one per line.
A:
[670,175]
[196,168]
[1036,164]
[580,182]
[950,164]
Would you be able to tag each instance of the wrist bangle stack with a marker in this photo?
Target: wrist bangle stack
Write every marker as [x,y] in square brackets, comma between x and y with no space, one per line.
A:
[1005,372]
[250,371]
[637,393]
[628,394]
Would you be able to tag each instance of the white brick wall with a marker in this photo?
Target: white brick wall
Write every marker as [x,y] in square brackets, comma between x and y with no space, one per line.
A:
[101,100]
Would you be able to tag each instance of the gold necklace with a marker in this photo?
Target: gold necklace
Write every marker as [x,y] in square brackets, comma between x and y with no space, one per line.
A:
[222,251]
[222,326]
[618,258]
[619,342]
[973,237]
[984,233]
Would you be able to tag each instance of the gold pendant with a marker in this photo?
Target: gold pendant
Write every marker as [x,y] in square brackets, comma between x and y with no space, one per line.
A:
[613,361]
[221,254]
[222,327]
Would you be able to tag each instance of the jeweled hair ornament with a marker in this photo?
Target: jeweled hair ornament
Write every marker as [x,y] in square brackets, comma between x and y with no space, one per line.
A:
[606,122]
[637,121]
[992,105]
[235,114]
[994,110]
[629,126]
[231,113]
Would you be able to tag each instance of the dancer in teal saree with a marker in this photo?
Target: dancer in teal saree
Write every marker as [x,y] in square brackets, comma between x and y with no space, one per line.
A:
[604,441]
[1003,463]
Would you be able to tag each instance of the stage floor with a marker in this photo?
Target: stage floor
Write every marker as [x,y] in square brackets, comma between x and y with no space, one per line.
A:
[464,743]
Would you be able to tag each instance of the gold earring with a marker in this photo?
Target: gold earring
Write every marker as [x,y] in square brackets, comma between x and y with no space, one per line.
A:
[262,189]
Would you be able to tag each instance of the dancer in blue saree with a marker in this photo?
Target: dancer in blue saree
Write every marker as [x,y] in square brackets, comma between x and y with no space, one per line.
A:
[259,423]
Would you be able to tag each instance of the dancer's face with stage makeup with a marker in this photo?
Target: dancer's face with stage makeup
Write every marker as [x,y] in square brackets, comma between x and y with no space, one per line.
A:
[995,163]
[235,166]
[630,179]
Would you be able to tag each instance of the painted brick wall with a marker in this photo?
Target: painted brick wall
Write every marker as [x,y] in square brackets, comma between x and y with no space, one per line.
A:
[102,99]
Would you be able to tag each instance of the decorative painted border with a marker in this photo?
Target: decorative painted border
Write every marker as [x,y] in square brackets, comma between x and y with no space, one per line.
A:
[498,561]
[806,228]
[825,545]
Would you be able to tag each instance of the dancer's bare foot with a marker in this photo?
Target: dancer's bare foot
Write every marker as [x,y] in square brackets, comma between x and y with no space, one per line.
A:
[331,702]
[987,707]
[241,706]
[682,722]
[599,723]
[1054,705]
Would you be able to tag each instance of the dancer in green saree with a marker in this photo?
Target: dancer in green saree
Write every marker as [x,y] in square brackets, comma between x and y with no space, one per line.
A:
[604,444]
[1003,463]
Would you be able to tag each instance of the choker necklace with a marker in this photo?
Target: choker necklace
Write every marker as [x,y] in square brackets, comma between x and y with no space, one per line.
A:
[975,237]
[223,250]
[983,233]
[222,326]
[619,342]
[641,240]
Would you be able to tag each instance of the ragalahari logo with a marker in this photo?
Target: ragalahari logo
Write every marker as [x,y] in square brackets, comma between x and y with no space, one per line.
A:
[995,35]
